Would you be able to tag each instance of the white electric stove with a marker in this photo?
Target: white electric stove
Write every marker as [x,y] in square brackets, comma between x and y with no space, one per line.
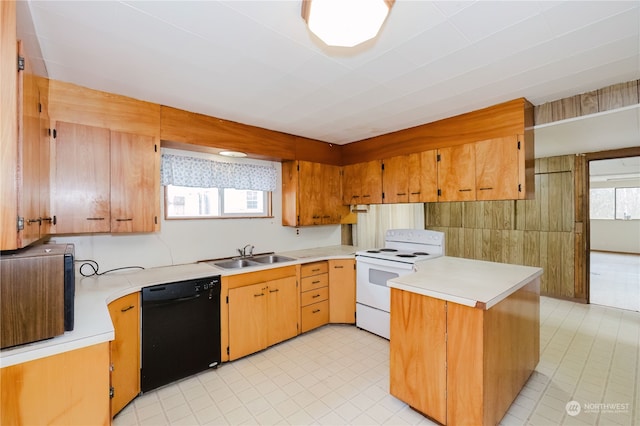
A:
[403,248]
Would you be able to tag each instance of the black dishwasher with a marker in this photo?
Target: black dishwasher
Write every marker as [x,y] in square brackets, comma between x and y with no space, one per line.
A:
[180,330]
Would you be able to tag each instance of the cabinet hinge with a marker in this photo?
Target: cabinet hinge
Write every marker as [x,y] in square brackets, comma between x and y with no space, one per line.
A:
[55,134]
[227,302]
[382,166]
[298,167]
[519,187]
[39,107]
[383,195]
[155,147]
[439,193]
[438,157]
[518,144]
[112,392]
[155,220]
[111,368]
[20,223]
[20,63]
[227,350]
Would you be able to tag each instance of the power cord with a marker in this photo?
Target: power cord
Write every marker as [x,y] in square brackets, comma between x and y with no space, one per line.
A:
[93,265]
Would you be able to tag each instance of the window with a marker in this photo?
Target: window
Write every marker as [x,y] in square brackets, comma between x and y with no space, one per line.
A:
[614,203]
[184,202]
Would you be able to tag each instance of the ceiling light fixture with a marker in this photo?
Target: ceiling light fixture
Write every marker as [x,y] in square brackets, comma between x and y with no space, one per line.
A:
[345,23]
[234,154]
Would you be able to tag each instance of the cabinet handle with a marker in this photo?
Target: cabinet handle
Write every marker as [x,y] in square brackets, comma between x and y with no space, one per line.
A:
[47,219]
[355,196]
[95,218]
[486,189]
[465,190]
[315,295]
[315,311]
[401,193]
[274,291]
[415,193]
[326,217]
[366,196]
[315,270]
[315,282]
[127,308]
[338,267]
[258,295]
[124,220]
[30,221]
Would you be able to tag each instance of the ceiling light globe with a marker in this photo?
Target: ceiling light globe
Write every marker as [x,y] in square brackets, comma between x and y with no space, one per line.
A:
[345,23]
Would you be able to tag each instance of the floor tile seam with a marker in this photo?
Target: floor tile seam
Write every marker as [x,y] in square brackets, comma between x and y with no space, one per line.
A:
[556,328]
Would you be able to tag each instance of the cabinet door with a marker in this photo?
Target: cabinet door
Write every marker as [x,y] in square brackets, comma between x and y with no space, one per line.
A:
[331,193]
[496,169]
[342,291]
[125,350]
[134,188]
[456,173]
[423,177]
[82,182]
[29,154]
[247,320]
[351,186]
[395,179]
[282,310]
[309,193]
[371,182]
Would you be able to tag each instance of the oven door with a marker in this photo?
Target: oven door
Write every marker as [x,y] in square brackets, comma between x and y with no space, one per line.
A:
[371,280]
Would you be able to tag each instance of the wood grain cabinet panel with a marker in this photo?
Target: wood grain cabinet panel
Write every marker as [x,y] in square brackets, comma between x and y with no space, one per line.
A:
[125,350]
[423,177]
[135,183]
[261,315]
[456,173]
[71,388]
[395,179]
[82,179]
[342,291]
[362,183]
[311,194]
[105,181]
[497,169]
[314,280]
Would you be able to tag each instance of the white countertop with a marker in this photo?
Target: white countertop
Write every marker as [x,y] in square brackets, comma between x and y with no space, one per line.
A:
[92,323]
[474,283]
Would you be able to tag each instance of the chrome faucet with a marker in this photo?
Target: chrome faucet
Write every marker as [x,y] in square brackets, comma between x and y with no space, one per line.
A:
[243,251]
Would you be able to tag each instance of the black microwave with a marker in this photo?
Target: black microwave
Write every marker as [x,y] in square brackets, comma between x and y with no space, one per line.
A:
[37,293]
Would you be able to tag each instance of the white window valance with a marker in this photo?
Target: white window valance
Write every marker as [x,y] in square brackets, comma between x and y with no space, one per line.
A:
[202,173]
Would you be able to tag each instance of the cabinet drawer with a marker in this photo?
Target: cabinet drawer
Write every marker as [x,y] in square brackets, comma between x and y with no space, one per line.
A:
[317,281]
[314,296]
[315,268]
[315,315]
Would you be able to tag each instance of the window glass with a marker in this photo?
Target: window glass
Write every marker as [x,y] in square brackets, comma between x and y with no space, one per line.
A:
[186,202]
[627,203]
[602,203]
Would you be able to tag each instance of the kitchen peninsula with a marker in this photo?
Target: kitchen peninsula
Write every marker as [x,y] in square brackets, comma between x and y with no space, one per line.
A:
[465,337]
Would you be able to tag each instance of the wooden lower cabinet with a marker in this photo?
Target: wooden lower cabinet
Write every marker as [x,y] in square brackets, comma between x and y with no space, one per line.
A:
[70,388]
[125,351]
[463,365]
[262,310]
[342,291]
[314,295]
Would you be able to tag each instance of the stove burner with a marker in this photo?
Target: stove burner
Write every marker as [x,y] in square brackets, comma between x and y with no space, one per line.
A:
[373,251]
[406,255]
[421,253]
[388,249]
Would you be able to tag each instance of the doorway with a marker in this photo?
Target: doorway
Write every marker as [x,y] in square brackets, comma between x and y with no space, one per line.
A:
[614,231]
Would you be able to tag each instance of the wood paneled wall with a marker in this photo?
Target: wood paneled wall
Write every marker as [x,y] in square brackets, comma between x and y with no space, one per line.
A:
[546,231]
[605,99]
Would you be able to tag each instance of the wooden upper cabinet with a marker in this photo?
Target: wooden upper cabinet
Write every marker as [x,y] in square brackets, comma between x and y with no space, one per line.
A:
[497,169]
[456,173]
[362,183]
[82,179]
[105,181]
[135,182]
[423,177]
[311,194]
[395,179]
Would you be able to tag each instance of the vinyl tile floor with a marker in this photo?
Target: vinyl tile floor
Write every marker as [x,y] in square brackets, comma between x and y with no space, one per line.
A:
[615,280]
[588,374]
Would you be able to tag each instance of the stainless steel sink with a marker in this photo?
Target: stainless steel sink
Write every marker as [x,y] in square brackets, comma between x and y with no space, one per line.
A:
[272,258]
[236,263]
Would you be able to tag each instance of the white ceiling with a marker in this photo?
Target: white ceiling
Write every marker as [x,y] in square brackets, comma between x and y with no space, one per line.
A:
[255,62]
